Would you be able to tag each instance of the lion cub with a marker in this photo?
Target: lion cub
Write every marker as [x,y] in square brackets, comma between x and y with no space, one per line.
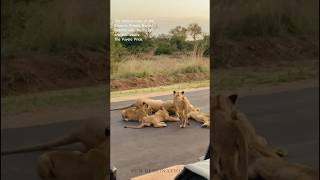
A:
[136,113]
[200,117]
[156,120]
[182,107]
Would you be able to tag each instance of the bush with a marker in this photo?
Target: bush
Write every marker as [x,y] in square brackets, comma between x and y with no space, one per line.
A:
[193,69]
[163,49]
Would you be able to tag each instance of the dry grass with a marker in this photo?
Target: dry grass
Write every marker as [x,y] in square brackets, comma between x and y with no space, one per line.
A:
[160,65]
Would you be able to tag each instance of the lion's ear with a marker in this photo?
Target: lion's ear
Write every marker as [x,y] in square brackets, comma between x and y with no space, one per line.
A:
[233,98]
[143,103]
[174,92]
[182,92]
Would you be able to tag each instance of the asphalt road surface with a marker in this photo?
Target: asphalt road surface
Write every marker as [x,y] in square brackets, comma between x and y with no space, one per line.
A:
[138,151]
[288,119]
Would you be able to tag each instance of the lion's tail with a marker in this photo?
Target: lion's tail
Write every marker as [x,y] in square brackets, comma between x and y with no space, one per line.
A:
[69,139]
[121,108]
[243,156]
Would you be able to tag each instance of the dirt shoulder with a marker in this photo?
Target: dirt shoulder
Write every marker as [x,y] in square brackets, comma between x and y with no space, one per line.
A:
[155,81]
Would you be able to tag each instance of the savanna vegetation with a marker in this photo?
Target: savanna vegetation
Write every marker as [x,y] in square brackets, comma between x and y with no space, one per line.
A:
[56,44]
[164,54]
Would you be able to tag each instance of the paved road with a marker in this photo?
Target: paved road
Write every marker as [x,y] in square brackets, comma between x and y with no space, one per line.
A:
[289,119]
[137,151]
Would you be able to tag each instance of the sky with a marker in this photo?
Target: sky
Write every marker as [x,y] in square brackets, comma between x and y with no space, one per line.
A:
[167,14]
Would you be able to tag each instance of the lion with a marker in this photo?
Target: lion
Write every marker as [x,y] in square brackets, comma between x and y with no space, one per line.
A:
[157,120]
[275,169]
[71,165]
[182,107]
[155,105]
[91,133]
[200,117]
[230,149]
[258,146]
[135,113]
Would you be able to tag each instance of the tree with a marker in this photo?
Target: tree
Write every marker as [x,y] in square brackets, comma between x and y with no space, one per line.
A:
[180,32]
[194,30]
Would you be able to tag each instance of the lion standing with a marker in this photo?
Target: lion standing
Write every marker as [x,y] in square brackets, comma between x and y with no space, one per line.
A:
[181,105]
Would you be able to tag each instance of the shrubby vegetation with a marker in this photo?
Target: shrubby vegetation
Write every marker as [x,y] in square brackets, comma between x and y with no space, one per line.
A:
[175,43]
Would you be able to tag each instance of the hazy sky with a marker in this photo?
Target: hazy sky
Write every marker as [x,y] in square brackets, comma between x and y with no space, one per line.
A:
[166,13]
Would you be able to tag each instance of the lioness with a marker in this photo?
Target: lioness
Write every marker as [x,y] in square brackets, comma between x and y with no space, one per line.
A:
[155,105]
[182,107]
[135,113]
[91,133]
[230,149]
[156,120]
[279,169]
[200,117]
[258,146]
[74,165]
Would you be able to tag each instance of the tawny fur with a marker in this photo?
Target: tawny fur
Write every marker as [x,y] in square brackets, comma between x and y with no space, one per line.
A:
[279,169]
[135,113]
[90,134]
[157,120]
[155,105]
[182,107]
[74,165]
[230,147]
[204,118]
[258,146]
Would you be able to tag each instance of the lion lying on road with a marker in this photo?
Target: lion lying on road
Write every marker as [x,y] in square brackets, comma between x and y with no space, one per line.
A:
[74,165]
[200,117]
[135,113]
[156,120]
[91,133]
[155,105]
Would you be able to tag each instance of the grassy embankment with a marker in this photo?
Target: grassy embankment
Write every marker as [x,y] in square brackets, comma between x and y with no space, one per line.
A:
[238,78]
